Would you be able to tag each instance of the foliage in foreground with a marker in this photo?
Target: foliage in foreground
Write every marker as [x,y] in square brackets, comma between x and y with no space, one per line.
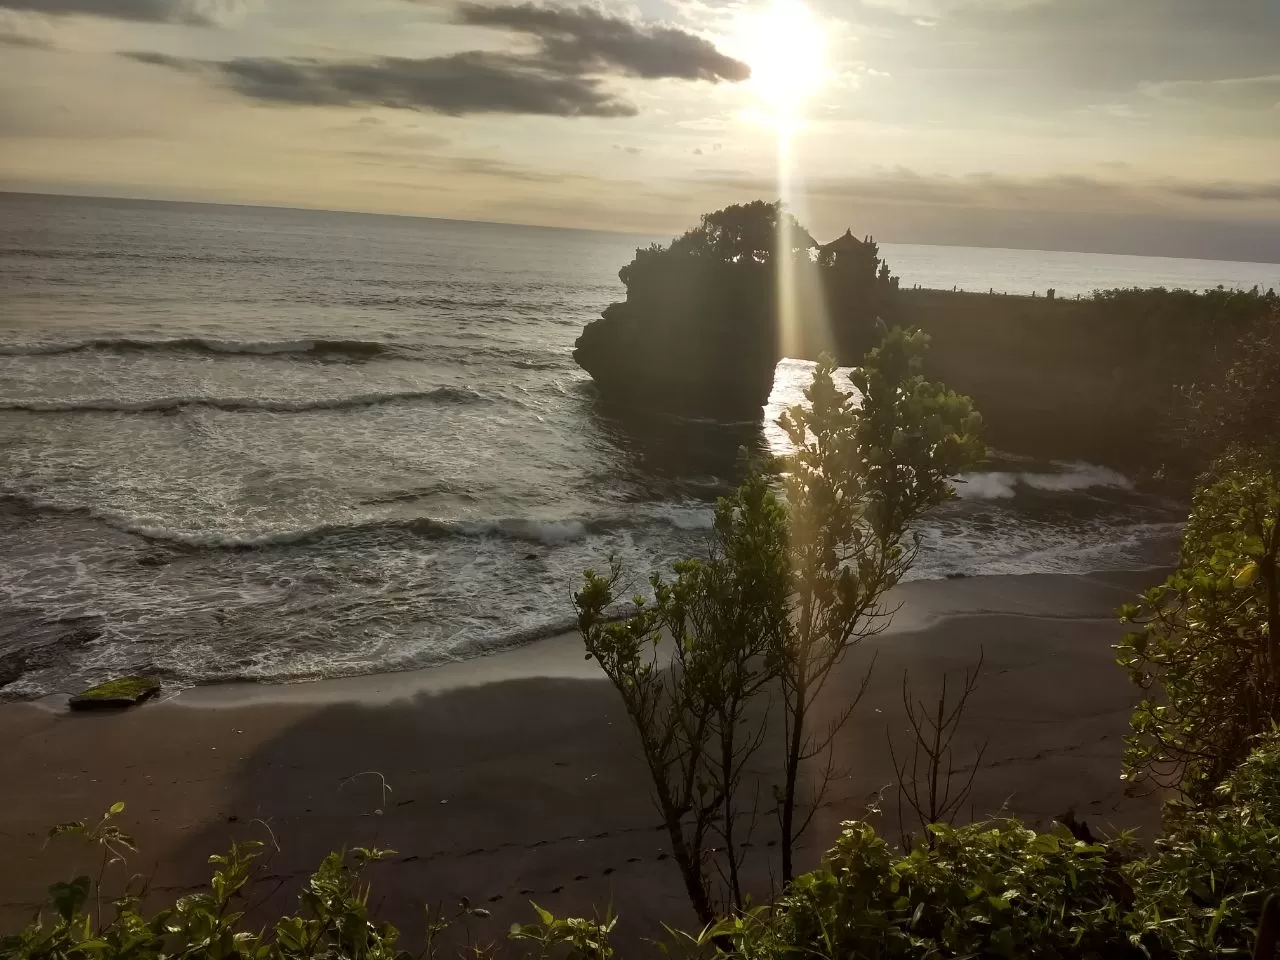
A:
[84,922]
[1002,890]
[994,889]
[789,585]
[1207,644]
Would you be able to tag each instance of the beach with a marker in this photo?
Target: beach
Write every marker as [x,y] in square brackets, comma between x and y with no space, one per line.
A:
[516,777]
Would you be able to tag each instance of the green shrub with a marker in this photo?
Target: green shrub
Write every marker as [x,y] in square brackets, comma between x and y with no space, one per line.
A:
[1000,889]
[1207,644]
[333,920]
[1204,887]
[994,889]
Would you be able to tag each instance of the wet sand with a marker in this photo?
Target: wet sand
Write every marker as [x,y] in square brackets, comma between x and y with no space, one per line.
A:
[516,777]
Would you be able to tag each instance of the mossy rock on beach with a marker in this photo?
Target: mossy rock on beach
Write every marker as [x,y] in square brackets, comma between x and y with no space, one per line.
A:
[116,694]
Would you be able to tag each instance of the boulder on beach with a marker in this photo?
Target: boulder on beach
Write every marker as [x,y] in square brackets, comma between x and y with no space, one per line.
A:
[116,694]
[701,332]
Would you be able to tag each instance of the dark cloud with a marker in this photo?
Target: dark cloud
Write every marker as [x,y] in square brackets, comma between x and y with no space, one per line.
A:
[143,11]
[577,47]
[1240,192]
[1063,191]
[24,40]
[463,83]
[1246,92]
[163,60]
[583,40]
[487,167]
[1150,217]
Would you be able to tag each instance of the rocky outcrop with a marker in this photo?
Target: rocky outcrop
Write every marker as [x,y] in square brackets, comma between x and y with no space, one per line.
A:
[701,332]
[702,351]
[116,694]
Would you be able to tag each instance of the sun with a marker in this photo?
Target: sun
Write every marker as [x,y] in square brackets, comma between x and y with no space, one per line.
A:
[783,44]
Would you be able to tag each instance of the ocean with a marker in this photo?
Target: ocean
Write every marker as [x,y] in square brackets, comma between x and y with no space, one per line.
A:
[254,443]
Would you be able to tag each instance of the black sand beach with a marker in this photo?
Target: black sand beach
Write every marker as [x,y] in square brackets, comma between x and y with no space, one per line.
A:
[515,778]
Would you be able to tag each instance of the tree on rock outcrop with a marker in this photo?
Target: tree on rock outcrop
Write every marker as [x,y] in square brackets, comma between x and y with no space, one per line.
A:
[701,330]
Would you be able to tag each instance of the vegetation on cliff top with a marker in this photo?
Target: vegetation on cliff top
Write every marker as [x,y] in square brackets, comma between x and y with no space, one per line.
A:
[700,331]
[1098,378]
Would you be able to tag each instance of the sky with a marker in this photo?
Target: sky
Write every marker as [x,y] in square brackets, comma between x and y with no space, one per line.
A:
[1126,126]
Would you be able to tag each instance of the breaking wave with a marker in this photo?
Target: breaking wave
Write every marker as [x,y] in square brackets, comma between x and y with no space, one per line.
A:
[255,404]
[1073,478]
[350,350]
[547,532]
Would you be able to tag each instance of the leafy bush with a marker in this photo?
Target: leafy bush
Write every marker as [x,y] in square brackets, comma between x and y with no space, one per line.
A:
[1204,887]
[1207,647]
[333,919]
[998,890]
[1002,890]
[1239,404]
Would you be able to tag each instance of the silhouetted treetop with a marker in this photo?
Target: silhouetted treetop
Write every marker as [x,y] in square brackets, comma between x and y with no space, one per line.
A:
[744,233]
[699,331]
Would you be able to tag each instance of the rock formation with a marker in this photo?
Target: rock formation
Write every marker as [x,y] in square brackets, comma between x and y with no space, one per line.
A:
[700,332]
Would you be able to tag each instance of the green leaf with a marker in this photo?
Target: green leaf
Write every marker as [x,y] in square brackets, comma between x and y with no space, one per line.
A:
[1246,575]
[69,898]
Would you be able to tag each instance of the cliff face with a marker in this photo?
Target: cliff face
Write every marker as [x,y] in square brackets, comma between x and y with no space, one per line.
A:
[702,347]
[1096,379]
[700,332]
[1099,378]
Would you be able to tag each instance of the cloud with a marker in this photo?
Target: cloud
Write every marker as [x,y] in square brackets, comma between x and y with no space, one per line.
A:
[987,60]
[25,40]
[1153,216]
[1241,92]
[930,9]
[1062,192]
[583,40]
[463,83]
[1246,192]
[577,47]
[143,11]
[488,167]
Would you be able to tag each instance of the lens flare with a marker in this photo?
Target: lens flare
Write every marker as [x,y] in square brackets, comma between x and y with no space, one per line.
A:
[783,44]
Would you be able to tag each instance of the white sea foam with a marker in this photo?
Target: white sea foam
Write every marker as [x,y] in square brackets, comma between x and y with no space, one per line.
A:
[550,532]
[1069,478]
[685,516]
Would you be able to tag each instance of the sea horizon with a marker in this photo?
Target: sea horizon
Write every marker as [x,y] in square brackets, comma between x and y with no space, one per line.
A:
[644,237]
